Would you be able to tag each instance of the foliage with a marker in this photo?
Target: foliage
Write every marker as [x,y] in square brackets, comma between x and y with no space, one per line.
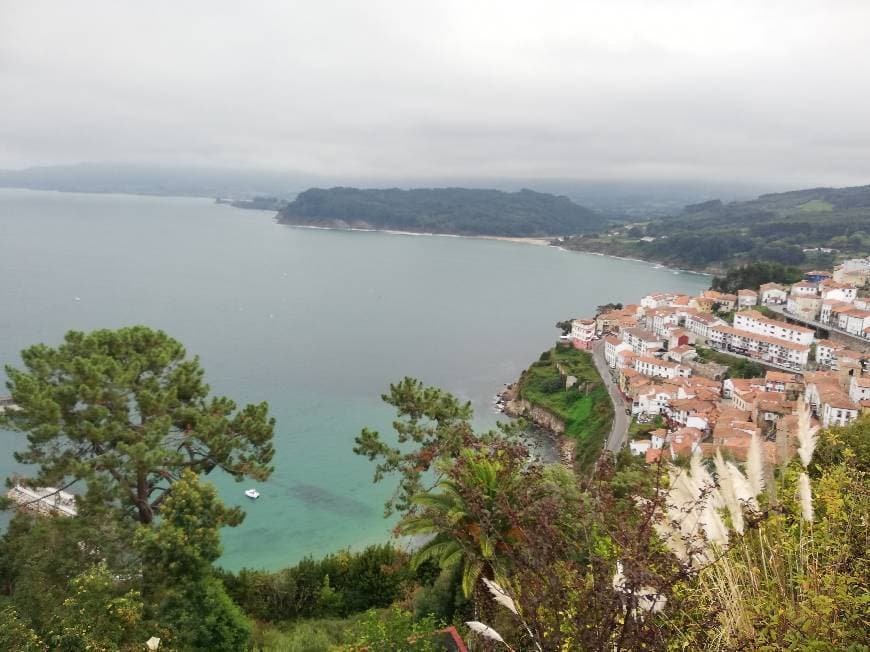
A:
[607,307]
[737,367]
[429,417]
[793,581]
[357,581]
[753,275]
[178,582]
[466,515]
[443,210]
[98,616]
[41,557]
[127,413]
[394,629]
[775,228]
[17,635]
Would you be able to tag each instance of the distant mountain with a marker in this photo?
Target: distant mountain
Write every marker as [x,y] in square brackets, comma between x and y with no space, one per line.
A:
[148,179]
[809,227]
[459,211]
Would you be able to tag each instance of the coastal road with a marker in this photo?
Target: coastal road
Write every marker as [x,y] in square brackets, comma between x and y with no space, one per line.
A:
[619,432]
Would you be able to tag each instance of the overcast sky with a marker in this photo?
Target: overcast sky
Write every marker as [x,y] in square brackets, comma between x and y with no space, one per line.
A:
[654,89]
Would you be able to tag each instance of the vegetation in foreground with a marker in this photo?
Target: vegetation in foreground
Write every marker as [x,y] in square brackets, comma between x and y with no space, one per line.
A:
[629,557]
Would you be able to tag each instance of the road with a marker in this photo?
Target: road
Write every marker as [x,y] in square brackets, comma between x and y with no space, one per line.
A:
[619,432]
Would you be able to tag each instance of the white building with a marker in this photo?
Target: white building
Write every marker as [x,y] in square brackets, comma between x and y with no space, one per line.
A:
[583,333]
[830,403]
[772,294]
[838,291]
[656,300]
[805,288]
[642,341]
[826,352]
[859,388]
[754,322]
[613,346]
[764,347]
[700,323]
[657,368]
[854,321]
[746,299]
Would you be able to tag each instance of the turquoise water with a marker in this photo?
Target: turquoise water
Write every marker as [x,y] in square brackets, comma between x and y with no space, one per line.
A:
[315,322]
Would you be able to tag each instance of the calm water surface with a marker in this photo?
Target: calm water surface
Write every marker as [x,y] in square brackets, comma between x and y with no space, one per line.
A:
[317,323]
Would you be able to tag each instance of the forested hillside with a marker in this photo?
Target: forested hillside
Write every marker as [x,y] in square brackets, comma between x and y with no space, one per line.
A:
[461,211]
[781,227]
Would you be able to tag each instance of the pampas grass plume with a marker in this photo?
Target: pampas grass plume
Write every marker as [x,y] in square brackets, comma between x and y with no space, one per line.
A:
[806,435]
[806,496]
[484,630]
[755,465]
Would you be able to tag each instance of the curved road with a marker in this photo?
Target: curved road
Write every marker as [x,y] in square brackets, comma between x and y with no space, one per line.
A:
[619,432]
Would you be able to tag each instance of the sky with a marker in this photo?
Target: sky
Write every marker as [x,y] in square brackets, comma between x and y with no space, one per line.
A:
[744,91]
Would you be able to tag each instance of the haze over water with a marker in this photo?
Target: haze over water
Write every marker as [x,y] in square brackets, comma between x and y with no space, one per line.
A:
[317,323]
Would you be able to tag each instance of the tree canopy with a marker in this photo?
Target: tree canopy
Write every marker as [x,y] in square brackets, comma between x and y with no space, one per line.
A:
[127,412]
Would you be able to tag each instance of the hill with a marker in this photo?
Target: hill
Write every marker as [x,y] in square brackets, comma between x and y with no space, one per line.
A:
[460,211]
[807,228]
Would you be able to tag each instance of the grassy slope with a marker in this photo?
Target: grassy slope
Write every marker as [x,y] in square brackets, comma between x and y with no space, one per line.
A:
[585,408]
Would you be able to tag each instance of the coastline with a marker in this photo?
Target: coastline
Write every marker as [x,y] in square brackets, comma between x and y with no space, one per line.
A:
[537,242]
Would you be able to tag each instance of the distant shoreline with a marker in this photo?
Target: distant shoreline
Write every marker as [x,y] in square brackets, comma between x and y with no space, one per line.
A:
[538,242]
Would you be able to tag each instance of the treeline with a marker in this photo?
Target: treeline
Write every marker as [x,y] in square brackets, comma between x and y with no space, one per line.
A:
[460,211]
[752,276]
[340,584]
[779,228]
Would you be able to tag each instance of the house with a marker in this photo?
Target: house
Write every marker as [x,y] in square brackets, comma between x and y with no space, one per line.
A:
[658,368]
[612,320]
[746,299]
[829,312]
[779,381]
[732,386]
[682,353]
[754,322]
[657,300]
[612,347]
[699,325]
[826,352]
[690,412]
[805,306]
[838,291]
[726,302]
[661,320]
[772,294]
[805,288]
[854,321]
[677,337]
[772,406]
[859,388]
[582,333]
[642,341]
[828,401]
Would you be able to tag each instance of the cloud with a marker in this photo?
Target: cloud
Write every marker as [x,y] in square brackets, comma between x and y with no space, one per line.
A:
[737,90]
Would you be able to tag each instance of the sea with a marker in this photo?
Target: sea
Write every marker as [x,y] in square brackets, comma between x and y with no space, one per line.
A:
[316,322]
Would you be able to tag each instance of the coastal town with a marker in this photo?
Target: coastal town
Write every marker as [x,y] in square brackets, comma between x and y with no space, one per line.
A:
[670,358]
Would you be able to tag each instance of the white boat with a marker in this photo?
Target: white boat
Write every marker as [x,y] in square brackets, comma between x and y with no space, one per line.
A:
[252,493]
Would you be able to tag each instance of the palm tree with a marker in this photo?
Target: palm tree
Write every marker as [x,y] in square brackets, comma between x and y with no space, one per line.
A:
[477,484]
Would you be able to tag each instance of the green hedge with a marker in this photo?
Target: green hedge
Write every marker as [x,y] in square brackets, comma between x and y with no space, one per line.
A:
[337,585]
